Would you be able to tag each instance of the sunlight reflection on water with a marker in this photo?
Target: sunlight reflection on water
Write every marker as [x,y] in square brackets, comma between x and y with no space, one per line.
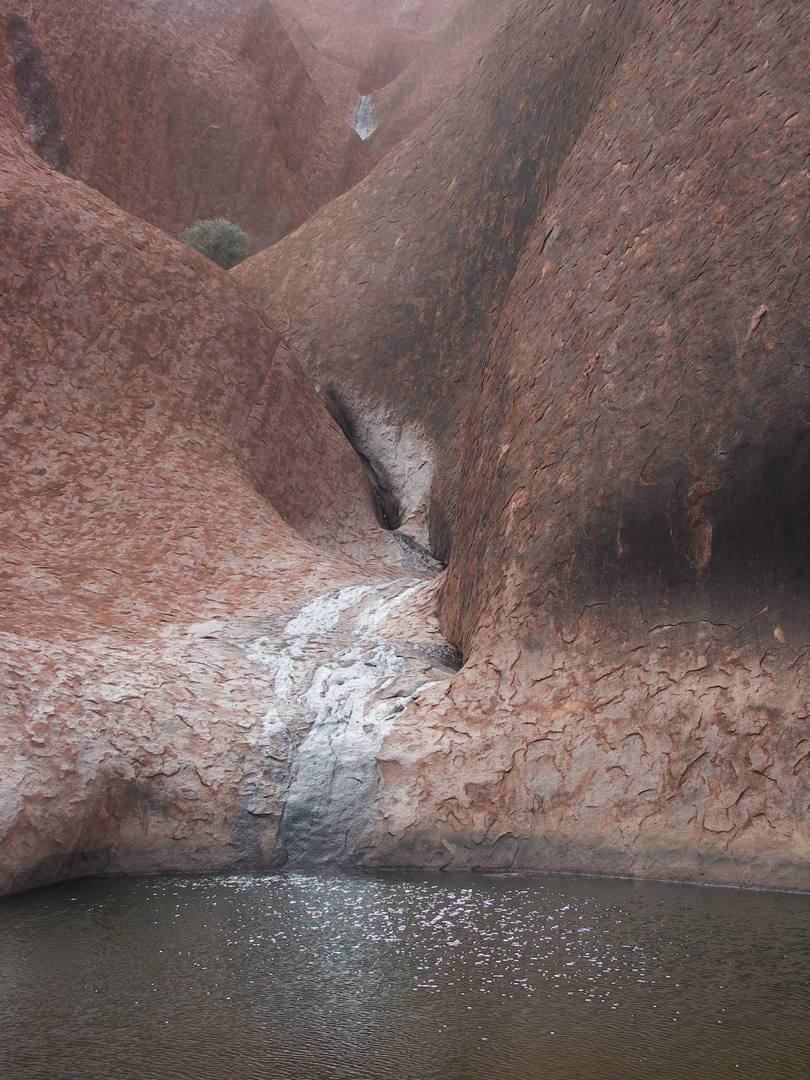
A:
[446,976]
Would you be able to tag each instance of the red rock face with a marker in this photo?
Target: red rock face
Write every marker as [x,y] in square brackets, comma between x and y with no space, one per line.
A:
[150,416]
[355,48]
[404,276]
[183,111]
[376,38]
[566,325]
[608,310]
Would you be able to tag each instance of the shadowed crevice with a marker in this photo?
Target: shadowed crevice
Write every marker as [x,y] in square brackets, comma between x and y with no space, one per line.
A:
[386,506]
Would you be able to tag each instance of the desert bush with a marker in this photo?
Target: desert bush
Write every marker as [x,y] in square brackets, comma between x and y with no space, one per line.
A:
[219,240]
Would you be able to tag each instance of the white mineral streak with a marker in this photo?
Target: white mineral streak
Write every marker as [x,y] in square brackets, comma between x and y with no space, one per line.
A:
[344,684]
[364,118]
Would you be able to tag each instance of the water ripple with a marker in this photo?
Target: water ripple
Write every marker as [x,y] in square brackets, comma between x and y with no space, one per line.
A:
[452,977]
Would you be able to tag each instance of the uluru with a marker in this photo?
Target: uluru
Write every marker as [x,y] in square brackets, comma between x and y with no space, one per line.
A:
[465,523]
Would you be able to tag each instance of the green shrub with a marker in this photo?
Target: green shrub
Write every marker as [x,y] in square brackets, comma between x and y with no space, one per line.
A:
[219,240]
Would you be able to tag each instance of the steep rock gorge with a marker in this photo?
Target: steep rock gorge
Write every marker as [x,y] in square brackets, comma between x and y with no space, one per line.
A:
[584,282]
[185,110]
[356,50]
[377,39]
[405,275]
[560,339]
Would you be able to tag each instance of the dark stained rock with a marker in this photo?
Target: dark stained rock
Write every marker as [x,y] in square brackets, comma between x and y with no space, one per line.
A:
[584,283]
[36,95]
[180,111]
[642,433]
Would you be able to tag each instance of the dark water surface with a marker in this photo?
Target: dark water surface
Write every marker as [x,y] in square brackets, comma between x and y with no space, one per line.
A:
[413,977]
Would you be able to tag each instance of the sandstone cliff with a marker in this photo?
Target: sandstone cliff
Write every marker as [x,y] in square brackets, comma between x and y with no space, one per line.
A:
[179,111]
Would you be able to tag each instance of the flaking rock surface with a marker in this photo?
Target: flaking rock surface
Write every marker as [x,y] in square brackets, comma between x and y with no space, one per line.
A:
[565,327]
[171,485]
[584,287]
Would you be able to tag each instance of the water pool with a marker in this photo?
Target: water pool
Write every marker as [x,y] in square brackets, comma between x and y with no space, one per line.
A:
[409,976]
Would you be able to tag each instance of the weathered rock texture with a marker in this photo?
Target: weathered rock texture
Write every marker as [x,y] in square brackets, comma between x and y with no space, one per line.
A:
[584,288]
[182,110]
[405,275]
[167,471]
[565,327]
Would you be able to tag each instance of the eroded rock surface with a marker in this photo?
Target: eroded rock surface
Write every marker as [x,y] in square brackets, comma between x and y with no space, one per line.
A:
[180,111]
[564,327]
[242,741]
[405,274]
[167,472]
[615,405]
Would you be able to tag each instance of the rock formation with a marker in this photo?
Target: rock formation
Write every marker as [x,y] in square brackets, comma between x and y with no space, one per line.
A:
[432,77]
[424,250]
[561,331]
[584,293]
[339,86]
[179,111]
[355,50]
[167,469]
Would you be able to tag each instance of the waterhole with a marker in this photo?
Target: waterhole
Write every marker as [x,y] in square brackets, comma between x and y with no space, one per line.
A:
[445,976]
